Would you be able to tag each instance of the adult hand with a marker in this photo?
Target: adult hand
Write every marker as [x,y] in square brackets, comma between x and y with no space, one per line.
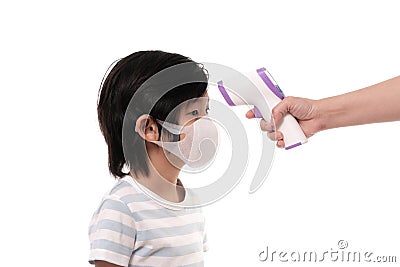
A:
[303,109]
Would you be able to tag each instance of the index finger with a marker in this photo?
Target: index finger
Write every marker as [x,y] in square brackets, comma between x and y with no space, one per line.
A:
[250,114]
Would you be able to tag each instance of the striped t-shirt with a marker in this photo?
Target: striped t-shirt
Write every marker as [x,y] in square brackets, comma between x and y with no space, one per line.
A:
[132,229]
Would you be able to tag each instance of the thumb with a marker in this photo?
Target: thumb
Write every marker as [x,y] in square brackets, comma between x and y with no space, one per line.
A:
[280,110]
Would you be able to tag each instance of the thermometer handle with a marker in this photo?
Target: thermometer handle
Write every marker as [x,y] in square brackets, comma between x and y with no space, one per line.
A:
[293,135]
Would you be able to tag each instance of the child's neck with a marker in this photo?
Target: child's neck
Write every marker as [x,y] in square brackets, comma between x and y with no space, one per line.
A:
[162,178]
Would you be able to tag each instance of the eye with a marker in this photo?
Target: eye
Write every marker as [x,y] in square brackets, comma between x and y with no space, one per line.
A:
[194,113]
[207,110]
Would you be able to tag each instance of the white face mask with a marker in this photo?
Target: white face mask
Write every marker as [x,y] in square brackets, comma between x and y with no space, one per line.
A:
[199,145]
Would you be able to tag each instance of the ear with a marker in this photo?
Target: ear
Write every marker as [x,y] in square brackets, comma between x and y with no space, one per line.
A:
[146,127]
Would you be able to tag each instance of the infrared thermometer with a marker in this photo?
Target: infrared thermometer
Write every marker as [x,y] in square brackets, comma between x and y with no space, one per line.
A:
[264,94]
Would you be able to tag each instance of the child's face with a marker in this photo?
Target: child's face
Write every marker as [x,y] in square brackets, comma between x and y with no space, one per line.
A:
[188,113]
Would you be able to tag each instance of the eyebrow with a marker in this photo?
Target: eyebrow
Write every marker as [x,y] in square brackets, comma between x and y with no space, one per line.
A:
[195,100]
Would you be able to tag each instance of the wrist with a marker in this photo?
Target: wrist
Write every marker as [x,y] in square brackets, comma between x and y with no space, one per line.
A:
[328,113]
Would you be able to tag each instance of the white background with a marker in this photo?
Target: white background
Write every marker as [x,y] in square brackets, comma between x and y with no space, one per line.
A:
[343,184]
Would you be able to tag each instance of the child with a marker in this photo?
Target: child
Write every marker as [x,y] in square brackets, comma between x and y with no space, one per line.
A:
[131,228]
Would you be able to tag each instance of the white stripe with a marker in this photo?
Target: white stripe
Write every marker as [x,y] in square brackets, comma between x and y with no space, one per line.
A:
[165,261]
[144,205]
[127,190]
[170,221]
[172,241]
[112,236]
[109,256]
[93,221]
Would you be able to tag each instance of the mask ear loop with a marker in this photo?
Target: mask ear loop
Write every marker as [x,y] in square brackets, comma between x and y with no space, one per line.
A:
[171,127]
[174,129]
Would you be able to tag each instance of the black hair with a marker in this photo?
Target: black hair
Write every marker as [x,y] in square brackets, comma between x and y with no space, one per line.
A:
[127,79]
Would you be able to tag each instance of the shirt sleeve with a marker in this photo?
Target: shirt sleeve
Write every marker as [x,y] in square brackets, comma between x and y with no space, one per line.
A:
[112,233]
